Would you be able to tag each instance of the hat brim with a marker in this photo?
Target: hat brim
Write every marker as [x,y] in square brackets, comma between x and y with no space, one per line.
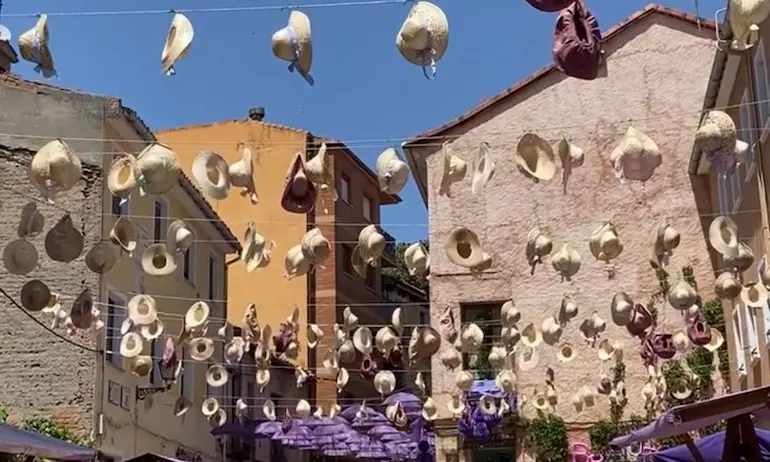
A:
[156,251]
[203,164]
[438,28]
[532,148]
[14,247]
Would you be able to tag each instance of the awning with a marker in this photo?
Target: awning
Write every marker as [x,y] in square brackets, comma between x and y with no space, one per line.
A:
[14,440]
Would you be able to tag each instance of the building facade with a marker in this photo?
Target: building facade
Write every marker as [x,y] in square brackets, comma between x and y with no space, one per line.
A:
[87,388]
[740,83]
[655,78]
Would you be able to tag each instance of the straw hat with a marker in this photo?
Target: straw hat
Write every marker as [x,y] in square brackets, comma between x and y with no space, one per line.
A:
[717,340]
[509,336]
[592,326]
[742,260]
[241,408]
[528,359]
[234,350]
[299,193]
[123,234]
[371,244]
[201,348]
[681,341]
[419,382]
[509,314]
[727,287]
[64,243]
[454,169]
[316,247]
[302,409]
[551,331]
[424,343]
[294,43]
[535,157]
[531,335]
[34,47]
[447,325]
[121,176]
[35,295]
[296,263]
[350,320]
[158,261]
[606,350]
[20,257]
[211,172]
[209,406]
[268,409]
[723,235]
[540,401]
[314,335]
[385,340]
[416,259]
[256,250]
[681,389]
[179,236]
[538,246]
[241,175]
[456,404]
[550,6]
[577,40]
[197,315]
[471,338]
[754,295]
[156,170]
[463,248]
[717,132]
[566,353]
[450,358]
[506,381]
[142,310]
[568,310]
[666,240]
[497,356]
[571,157]
[363,340]
[181,406]
[636,157]
[682,296]
[178,41]
[141,365]
[622,309]
[263,378]
[744,18]
[342,379]
[384,382]
[320,172]
[392,172]
[566,262]
[32,221]
[131,345]
[604,243]
[483,168]
[101,258]
[429,411]
[153,330]
[464,380]
[424,35]
[217,375]
[397,321]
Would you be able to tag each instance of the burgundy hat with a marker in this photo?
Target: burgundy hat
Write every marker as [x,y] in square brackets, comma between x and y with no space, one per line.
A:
[577,42]
[550,6]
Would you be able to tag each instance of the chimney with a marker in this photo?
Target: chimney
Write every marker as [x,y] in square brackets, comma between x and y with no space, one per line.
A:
[257,113]
[7,57]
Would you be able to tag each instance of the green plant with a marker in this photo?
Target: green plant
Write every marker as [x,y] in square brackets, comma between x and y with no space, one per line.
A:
[618,375]
[400,272]
[548,438]
[601,434]
[48,427]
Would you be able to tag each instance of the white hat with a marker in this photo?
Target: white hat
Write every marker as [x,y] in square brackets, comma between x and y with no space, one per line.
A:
[320,172]
[592,326]
[550,330]
[622,309]
[32,221]
[636,157]
[371,244]
[680,389]
[745,18]
[429,411]
[606,350]
[571,156]
[566,353]
[727,286]
[416,259]
[211,172]
[506,381]
[294,43]
[268,409]
[397,321]
[528,359]
[471,338]
[568,310]
[531,335]
[209,406]
[35,295]
[314,335]
[179,236]
[386,340]
[681,295]
[463,248]
[178,41]
[181,406]
[256,250]
[123,234]
[217,375]
[604,243]
[33,46]
[131,345]
[392,172]
[717,340]
[152,331]
[723,235]
[201,348]
[156,170]
[157,260]
[509,314]
[566,262]
[197,315]
[101,258]
[362,340]
[754,295]
[483,168]
[142,310]
[535,157]
[262,378]
[316,247]
[218,419]
[424,36]
[302,409]
[121,176]
[540,401]
[234,350]
[296,263]
[242,175]
[64,243]
[20,257]
[419,382]
[456,404]
[464,380]
[241,408]
[454,169]
[140,366]
[384,382]
[342,379]
[538,246]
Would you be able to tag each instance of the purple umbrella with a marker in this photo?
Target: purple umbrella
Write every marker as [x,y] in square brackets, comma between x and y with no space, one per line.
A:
[297,436]
[267,429]
[373,450]
[339,450]
[331,432]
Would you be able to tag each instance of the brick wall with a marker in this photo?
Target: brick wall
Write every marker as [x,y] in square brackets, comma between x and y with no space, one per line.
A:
[42,375]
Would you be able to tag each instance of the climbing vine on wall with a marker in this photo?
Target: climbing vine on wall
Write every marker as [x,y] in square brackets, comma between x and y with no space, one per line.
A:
[548,438]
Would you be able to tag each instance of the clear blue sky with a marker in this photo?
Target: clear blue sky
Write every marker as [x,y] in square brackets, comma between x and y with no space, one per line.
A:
[364,90]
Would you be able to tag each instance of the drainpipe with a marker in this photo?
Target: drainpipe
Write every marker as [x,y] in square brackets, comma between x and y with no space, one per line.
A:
[762,190]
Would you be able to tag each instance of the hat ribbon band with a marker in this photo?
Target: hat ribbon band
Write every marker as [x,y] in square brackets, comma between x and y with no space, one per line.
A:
[295,50]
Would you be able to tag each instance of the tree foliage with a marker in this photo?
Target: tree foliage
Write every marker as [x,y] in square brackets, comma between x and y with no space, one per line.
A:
[44,426]
[400,272]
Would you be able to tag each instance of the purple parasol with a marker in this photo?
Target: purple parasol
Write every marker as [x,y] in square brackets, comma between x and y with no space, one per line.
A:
[335,431]
[298,435]
[267,429]
[382,430]
[373,450]
[338,450]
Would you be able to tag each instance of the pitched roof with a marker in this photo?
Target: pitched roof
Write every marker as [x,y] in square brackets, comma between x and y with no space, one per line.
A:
[145,133]
[613,32]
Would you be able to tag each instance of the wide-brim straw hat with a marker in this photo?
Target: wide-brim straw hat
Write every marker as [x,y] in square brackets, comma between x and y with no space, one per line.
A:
[179,236]
[463,248]
[120,178]
[363,340]
[535,157]
[636,157]
[181,406]
[299,193]
[158,261]
[217,375]
[384,382]
[178,40]
[296,34]
[211,173]
[141,365]
[483,168]
[566,353]
[20,257]
[242,174]
[197,315]
[531,335]
[131,345]
[101,258]
[528,359]
[424,35]
[717,340]
[54,168]
[31,222]
[157,169]
[209,406]
[723,236]
[124,235]
[35,295]
[392,171]
[142,310]
[64,243]
[201,348]
[34,47]
[754,295]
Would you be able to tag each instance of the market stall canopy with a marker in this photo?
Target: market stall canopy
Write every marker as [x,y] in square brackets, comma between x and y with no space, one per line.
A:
[14,440]
[710,447]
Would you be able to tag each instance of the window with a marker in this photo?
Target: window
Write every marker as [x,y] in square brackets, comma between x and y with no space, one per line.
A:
[116,313]
[188,378]
[761,83]
[156,346]
[159,223]
[216,281]
[371,277]
[487,317]
[729,192]
[367,208]
[345,188]
[423,317]
[347,259]
[493,454]
[748,133]
[189,264]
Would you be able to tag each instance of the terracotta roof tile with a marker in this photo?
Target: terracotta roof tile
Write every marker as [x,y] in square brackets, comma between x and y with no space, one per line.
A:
[537,75]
